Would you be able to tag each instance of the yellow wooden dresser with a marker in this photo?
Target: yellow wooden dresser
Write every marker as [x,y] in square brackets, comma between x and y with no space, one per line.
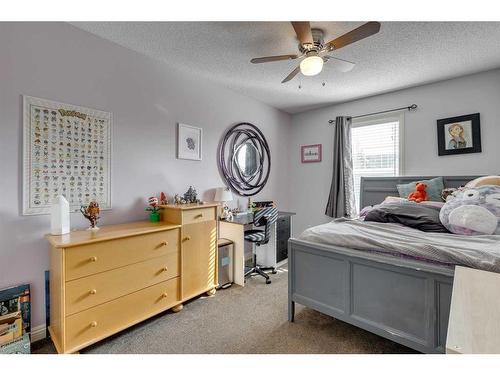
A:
[103,282]
[198,246]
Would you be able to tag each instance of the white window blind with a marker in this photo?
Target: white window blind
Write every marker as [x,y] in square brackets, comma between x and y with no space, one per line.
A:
[376,150]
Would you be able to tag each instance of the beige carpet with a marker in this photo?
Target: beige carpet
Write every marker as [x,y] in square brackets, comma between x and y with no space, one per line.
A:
[252,319]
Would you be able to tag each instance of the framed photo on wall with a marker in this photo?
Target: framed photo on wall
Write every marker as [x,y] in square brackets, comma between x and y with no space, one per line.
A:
[459,135]
[189,142]
[310,153]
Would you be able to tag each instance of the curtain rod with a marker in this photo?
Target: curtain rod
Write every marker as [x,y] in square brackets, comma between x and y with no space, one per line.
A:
[409,108]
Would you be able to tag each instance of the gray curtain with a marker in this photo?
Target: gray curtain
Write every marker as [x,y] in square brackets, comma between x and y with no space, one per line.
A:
[341,201]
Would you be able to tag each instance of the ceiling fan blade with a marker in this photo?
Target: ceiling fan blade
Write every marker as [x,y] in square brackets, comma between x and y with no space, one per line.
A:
[291,75]
[259,60]
[339,64]
[361,32]
[303,31]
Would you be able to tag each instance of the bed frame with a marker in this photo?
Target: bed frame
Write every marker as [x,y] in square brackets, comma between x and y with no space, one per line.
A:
[404,300]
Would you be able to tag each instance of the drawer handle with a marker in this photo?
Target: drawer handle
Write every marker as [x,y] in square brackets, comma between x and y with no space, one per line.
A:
[198,216]
[187,238]
[93,291]
[93,324]
[93,259]
[165,295]
[165,269]
[164,243]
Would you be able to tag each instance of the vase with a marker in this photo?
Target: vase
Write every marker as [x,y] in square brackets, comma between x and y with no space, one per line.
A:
[154,217]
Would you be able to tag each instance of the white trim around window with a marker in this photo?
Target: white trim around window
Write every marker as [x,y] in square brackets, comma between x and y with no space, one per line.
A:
[398,116]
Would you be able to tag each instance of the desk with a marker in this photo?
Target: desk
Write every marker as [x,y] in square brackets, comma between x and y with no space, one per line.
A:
[474,325]
[234,230]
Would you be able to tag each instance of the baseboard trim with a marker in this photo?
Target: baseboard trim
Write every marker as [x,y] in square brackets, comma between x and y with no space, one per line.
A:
[38,333]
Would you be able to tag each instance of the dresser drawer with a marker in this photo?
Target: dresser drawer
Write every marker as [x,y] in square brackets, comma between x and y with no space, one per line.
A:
[89,326]
[198,215]
[94,290]
[90,259]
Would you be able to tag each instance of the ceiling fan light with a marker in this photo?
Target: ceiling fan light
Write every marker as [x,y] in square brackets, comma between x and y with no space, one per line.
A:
[311,65]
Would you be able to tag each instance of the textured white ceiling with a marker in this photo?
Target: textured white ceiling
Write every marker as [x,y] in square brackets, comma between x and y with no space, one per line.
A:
[402,54]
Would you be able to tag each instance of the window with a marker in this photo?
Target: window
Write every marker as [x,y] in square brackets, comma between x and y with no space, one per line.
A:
[377,147]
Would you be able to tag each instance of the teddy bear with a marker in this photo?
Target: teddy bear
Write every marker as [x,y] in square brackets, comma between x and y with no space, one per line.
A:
[473,211]
[420,194]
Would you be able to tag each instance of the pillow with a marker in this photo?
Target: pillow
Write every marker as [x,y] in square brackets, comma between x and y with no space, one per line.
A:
[485,180]
[410,214]
[432,204]
[398,200]
[434,188]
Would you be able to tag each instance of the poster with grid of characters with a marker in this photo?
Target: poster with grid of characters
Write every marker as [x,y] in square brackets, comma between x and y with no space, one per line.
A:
[67,151]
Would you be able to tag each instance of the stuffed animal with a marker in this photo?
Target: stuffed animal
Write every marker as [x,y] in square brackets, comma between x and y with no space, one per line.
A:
[473,211]
[420,194]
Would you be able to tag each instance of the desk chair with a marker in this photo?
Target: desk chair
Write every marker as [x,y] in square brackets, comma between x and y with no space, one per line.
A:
[264,217]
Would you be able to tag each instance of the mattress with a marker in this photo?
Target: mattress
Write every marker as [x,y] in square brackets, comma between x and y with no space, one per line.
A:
[481,252]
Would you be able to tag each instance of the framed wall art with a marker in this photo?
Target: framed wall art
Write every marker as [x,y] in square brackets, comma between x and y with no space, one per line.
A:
[310,153]
[67,151]
[459,135]
[189,142]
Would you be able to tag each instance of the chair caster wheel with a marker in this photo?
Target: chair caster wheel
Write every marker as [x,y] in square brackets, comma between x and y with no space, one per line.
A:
[274,272]
[268,281]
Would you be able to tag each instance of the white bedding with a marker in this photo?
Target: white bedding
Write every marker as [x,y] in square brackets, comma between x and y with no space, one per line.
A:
[481,252]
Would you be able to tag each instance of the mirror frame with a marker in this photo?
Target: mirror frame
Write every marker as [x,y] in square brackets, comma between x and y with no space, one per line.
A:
[234,138]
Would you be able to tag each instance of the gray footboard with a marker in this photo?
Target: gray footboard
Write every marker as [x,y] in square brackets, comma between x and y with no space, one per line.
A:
[403,300]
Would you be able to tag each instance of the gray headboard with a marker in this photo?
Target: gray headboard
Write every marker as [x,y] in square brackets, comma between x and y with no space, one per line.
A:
[375,189]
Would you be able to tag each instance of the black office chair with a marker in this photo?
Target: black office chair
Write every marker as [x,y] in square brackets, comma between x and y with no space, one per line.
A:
[264,217]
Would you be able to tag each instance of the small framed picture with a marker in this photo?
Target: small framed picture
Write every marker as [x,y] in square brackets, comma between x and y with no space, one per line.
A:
[459,135]
[310,153]
[189,140]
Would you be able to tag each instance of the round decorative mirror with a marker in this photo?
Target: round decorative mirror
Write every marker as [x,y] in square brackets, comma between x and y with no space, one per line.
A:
[247,159]
[244,159]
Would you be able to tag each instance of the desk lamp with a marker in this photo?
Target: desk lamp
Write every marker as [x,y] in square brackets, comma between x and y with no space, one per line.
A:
[223,194]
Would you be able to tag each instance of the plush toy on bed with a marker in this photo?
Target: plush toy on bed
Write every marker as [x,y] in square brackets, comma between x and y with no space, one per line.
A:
[420,194]
[473,211]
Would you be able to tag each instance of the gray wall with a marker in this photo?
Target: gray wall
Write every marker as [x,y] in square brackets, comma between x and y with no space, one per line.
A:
[59,62]
[310,183]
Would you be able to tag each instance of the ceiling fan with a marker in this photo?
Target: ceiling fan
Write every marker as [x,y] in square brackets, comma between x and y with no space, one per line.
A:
[314,51]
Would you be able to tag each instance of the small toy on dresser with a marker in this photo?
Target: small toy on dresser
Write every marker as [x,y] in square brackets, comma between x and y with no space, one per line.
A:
[190,196]
[163,198]
[154,209]
[419,195]
[91,212]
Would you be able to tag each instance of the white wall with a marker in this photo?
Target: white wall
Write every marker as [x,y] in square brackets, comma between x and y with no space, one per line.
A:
[60,62]
[310,183]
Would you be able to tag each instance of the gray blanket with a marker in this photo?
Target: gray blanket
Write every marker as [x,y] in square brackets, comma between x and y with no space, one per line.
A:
[481,252]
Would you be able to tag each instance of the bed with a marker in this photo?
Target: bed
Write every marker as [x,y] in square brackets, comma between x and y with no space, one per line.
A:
[404,299]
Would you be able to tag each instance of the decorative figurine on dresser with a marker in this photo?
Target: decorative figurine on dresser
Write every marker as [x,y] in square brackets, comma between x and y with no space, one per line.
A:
[154,209]
[91,213]
[190,196]
[163,198]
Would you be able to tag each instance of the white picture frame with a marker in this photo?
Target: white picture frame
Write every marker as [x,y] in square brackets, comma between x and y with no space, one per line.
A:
[189,142]
[66,151]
